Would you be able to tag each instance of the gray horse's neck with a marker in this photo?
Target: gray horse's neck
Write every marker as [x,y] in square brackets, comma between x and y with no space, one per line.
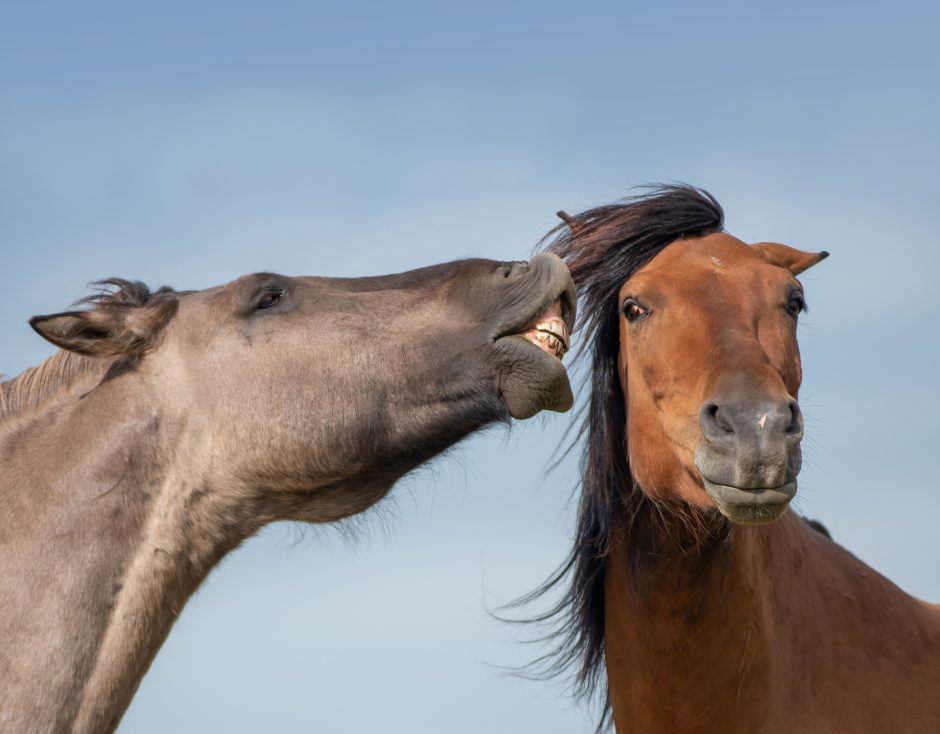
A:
[105,530]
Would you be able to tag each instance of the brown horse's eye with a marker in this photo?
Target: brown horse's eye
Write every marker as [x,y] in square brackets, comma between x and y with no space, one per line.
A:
[633,310]
[796,305]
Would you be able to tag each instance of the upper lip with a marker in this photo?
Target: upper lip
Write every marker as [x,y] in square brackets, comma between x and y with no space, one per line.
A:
[747,489]
[566,295]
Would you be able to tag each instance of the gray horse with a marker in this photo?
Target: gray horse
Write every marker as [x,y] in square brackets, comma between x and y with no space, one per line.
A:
[172,426]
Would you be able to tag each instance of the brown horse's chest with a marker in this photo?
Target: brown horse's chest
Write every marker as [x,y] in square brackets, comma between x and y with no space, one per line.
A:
[785,636]
[683,650]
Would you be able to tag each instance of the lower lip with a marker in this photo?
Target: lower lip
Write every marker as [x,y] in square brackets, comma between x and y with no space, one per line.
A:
[541,347]
[755,497]
[751,504]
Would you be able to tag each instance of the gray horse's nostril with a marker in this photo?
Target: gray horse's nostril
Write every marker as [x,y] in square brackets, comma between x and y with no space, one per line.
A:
[517,268]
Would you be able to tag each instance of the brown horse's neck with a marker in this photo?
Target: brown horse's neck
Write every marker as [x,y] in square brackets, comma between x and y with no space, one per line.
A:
[102,545]
[682,607]
[747,630]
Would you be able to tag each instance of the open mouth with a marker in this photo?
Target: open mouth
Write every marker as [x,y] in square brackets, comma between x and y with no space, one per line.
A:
[548,326]
[550,332]
[530,343]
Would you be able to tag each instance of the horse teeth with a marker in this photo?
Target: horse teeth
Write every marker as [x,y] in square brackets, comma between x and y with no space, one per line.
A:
[551,335]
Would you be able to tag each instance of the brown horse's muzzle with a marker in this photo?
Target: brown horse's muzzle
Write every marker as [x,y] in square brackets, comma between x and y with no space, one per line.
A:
[749,455]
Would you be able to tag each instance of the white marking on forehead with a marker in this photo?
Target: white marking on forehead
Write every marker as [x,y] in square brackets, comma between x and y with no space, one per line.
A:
[763,420]
[716,262]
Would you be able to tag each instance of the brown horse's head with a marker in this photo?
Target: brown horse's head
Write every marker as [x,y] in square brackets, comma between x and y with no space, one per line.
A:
[711,367]
[698,331]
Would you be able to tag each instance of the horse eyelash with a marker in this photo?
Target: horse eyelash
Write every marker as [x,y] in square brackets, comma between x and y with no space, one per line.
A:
[275,293]
[633,302]
[801,308]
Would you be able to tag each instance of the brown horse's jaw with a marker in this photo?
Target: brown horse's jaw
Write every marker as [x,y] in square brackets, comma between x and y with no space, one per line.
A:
[751,506]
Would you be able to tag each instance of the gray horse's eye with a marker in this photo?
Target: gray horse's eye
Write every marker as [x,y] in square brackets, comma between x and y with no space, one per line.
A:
[269,300]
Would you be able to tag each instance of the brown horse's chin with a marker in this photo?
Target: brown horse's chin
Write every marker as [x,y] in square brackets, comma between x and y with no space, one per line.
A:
[751,506]
[534,380]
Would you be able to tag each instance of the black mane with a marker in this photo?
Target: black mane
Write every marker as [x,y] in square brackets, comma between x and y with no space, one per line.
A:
[603,247]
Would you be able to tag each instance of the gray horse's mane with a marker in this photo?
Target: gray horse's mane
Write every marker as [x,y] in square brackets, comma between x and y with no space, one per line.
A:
[57,374]
[38,384]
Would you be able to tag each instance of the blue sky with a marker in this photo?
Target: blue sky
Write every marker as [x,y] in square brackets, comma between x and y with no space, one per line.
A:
[189,143]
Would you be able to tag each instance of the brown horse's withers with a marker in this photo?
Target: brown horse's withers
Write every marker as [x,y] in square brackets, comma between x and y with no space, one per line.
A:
[712,608]
[172,426]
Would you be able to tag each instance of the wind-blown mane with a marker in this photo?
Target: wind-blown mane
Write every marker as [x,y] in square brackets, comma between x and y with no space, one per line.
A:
[603,247]
[62,370]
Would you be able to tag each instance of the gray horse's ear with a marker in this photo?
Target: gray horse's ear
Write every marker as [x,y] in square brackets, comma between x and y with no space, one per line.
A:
[789,258]
[122,323]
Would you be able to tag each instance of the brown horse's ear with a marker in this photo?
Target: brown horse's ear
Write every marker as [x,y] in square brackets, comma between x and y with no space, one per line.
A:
[789,258]
[119,325]
[575,227]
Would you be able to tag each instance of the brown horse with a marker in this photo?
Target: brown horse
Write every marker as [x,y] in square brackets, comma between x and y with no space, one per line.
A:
[172,426]
[713,608]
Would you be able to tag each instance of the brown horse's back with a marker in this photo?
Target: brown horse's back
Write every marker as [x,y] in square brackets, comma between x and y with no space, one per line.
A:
[865,655]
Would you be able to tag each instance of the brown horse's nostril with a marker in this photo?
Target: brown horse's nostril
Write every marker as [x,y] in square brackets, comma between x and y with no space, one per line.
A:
[795,427]
[715,424]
